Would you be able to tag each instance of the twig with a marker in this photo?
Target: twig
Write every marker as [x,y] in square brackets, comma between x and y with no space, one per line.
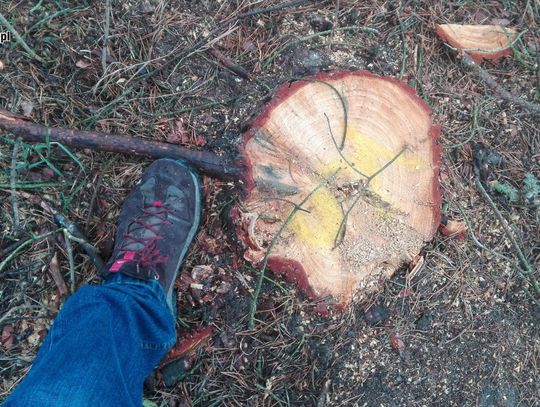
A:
[404,50]
[468,63]
[33,185]
[229,64]
[340,235]
[351,165]
[205,161]
[253,308]
[19,39]
[8,249]
[28,242]
[71,262]
[343,102]
[72,232]
[54,270]
[385,166]
[12,185]
[106,35]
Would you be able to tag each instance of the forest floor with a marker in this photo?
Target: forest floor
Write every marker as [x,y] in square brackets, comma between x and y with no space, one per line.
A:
[466,325]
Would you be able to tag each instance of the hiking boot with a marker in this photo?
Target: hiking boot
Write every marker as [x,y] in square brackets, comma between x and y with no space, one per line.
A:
[157,223]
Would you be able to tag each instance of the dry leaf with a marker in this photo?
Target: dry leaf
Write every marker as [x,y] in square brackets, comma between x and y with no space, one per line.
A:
[27,107]
[405,292]
[186,343]
[454,228]
[7,336]
[202,272]
[81,63]
[396,343]
[179,134]
[1,65]
[54,269]
[224,288]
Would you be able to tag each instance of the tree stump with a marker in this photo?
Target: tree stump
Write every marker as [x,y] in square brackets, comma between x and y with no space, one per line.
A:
[479,41]
[342,182]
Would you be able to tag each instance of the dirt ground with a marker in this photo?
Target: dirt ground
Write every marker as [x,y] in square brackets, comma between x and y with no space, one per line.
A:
[463,330]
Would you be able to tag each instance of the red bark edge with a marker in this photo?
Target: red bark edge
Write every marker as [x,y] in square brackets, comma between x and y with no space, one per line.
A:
[187,343]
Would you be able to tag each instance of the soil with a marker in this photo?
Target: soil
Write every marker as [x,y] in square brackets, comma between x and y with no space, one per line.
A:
[460,330]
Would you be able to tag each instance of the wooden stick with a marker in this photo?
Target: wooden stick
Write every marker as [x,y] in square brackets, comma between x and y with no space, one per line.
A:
[207,162]
[229,63]
[469,63]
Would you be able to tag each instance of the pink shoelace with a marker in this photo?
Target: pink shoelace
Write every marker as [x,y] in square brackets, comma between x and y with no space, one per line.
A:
[149,255]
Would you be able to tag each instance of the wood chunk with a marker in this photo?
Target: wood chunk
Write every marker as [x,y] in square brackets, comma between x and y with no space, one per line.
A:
[293,152]
[481,42]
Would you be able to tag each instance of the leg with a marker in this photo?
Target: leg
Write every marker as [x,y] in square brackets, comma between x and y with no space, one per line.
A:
[102,346]
[107,339]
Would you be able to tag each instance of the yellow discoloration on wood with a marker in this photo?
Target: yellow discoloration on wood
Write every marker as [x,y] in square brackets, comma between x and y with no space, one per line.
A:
[368,155]
[319,227]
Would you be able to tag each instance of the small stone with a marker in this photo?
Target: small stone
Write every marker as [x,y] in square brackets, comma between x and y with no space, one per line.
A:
[306,61]
[174,372]
[320,23]
[424,322]
[376,314]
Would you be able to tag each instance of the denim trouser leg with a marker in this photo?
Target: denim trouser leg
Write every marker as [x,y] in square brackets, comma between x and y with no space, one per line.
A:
[104,343]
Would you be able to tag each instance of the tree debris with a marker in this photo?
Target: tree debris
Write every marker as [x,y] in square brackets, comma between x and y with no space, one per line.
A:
[481,42]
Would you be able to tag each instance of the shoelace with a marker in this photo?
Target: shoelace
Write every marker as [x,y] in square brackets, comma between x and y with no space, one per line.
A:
[149,255]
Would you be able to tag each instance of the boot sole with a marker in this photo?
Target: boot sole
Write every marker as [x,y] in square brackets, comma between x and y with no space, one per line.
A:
[192,231]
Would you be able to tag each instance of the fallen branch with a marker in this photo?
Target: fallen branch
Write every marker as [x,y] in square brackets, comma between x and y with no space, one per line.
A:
[207,162]
[481,73]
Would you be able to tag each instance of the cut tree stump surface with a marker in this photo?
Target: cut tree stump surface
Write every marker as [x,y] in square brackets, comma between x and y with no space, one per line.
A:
[360,152]
[479,41]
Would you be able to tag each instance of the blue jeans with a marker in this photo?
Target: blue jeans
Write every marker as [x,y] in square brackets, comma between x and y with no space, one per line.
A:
[104,343]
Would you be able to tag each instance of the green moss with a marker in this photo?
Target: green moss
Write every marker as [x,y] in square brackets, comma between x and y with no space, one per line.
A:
[531,187]
[507,190]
